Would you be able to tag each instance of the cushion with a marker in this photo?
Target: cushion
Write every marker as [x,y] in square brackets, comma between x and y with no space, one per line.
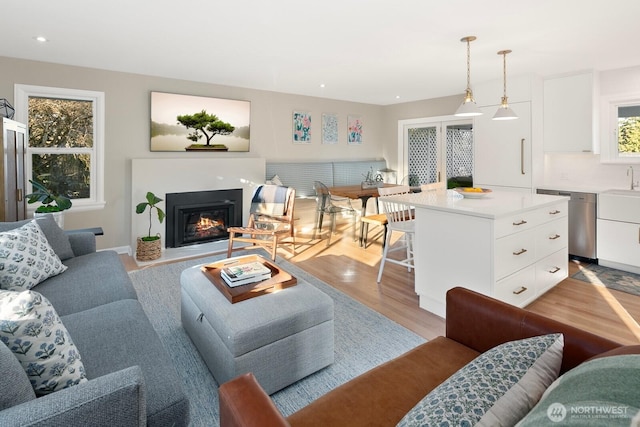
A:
[14,383]
[26,258]
[32,330]
[56,236]
[601,391]
[274,181]
[499,387]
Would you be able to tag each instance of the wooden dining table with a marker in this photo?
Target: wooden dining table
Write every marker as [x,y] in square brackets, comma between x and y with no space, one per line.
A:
[357,192]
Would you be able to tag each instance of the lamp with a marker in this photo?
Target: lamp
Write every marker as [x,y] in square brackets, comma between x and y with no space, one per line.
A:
[468,107]
[504,111]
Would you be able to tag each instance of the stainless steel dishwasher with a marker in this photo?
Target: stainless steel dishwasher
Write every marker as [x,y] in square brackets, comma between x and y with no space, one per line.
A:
[582,222]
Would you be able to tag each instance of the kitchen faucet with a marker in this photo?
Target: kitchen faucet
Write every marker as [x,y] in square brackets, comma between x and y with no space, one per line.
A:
[632,182]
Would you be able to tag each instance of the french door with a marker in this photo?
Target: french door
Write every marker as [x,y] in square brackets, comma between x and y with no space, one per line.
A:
[436,150]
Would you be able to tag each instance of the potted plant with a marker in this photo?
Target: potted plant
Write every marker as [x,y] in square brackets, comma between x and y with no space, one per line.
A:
[51,202]
[149,247]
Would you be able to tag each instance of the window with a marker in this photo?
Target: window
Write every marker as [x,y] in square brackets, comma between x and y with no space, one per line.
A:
[65,147]
[628,130]
[620,137]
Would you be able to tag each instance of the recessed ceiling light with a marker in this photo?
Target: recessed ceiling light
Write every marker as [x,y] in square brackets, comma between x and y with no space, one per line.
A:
[41,39]
[321,84]
[397,96]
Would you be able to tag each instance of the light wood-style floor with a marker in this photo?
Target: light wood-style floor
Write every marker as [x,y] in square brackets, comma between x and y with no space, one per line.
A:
[353,270]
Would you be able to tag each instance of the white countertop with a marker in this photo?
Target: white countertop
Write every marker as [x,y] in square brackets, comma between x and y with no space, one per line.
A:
[597,189]
[494,205]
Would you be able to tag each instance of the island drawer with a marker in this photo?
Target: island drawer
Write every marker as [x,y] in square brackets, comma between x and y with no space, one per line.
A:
[529,219]
[551,270]
[518,289]
[514,252]
[551,237]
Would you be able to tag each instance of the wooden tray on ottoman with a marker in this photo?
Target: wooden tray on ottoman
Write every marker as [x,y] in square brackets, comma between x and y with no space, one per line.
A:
[280,279]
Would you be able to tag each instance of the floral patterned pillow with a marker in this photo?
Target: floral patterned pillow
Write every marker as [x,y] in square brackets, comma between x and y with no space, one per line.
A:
[26,258]
[499,387]
[32,330]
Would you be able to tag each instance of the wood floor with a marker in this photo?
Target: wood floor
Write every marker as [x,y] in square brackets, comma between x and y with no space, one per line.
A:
[353,270]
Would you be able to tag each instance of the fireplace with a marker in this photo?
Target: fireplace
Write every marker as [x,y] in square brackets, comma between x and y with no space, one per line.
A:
[201,216]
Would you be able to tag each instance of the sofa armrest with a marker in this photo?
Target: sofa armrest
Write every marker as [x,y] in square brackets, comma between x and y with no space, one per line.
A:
[114,399]
[82,243]
[243,403]
[481,323]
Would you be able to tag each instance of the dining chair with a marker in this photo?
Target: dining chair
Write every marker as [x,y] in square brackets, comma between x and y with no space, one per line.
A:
[270,220]
[412,180]
[433,186]
[400,219]
[328,204]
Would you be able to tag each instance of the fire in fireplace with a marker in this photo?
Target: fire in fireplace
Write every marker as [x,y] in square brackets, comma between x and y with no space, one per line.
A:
[201,216]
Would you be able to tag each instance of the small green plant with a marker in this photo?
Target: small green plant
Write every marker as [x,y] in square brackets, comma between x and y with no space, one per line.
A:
[152,203]
[51,202]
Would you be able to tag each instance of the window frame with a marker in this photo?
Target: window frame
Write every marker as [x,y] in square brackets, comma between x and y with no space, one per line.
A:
[609,135]
[21,97]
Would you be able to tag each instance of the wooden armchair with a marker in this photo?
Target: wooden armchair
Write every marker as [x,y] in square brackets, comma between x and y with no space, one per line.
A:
[271,219]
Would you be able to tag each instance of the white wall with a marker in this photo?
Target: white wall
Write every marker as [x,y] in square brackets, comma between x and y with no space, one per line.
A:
[127,130]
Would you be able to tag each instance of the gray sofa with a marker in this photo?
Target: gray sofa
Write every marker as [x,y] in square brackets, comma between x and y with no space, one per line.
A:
[132,380]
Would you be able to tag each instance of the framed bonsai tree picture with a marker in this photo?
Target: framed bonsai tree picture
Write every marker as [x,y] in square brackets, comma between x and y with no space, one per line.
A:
[198,123]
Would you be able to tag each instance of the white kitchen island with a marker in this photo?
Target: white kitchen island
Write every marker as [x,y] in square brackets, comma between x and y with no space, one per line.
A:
[508,245]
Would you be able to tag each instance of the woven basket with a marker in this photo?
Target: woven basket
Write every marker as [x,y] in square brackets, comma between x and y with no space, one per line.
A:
[147,251]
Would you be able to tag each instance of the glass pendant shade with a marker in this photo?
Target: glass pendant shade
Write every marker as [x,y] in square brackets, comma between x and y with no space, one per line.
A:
[504,111]
[468,107]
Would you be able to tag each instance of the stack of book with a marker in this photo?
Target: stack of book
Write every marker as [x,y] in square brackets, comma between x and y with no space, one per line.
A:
[243,274]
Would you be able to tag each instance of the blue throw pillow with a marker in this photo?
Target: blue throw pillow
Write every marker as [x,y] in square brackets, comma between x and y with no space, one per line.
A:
[499,387]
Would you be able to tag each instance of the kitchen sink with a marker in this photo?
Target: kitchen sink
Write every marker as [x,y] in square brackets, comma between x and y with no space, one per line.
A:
[619,205]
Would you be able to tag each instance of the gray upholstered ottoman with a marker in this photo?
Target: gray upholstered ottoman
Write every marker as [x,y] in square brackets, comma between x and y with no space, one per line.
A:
[280,337]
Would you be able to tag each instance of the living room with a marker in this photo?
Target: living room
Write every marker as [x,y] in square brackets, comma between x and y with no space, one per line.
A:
[127,144]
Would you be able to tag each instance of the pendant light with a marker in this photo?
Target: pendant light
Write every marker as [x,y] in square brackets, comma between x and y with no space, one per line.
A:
[504,111]
[468,107]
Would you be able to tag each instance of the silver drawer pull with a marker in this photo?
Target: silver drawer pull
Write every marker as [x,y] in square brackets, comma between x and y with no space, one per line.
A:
[557,236]
[554,212]
[554,270]
[519,291]
[520,252]
[521,222]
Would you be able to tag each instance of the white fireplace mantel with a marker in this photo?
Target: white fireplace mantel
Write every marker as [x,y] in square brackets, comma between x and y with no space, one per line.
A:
[162,176]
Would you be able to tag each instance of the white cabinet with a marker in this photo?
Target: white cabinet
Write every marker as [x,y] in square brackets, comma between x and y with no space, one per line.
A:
[503,148]
[570,114]
[12,191]
[515,257]
[618,230]
[619,244]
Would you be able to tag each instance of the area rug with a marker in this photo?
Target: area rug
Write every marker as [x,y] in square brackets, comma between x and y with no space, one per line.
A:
[609,277]
[363,340]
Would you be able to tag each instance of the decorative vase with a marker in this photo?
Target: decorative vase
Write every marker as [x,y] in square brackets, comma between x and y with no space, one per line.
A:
[57,216]
[148,250]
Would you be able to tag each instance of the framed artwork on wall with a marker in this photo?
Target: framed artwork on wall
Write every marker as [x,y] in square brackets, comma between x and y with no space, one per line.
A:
[329,128]
[354,128]
[301,127]
[199,123]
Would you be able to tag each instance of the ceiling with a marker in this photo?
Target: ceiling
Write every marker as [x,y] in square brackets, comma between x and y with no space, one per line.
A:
[370,51]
